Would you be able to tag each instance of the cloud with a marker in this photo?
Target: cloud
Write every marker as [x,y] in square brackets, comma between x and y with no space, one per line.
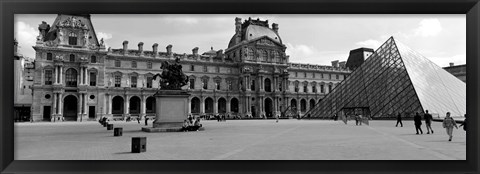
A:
[370,43]
[182,20]
[428,27]
[445,61]
[26,36]
[103,35]
[299,51]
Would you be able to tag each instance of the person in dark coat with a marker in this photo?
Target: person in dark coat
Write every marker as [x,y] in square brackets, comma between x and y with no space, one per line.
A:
[146,121]
[464,124]
[418,122]
[428,121]
[399,120]
[356,119]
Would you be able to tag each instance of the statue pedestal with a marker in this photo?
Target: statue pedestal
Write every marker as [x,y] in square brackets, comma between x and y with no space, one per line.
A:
[171,110]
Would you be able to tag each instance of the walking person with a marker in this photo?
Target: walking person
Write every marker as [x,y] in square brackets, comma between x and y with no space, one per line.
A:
[146,121]
[277,117]
[448,124]
[356,119]
[428,121]
[360,119]
[399,120]
[418,122]
[464,124]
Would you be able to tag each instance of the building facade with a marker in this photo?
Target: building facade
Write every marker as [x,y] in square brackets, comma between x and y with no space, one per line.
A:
[459,71]
[23,81]
[77,78]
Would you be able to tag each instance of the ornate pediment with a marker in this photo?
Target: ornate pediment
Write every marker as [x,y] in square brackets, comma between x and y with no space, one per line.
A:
[266,41]
[73,22]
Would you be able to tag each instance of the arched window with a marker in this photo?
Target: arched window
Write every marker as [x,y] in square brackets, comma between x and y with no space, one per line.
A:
[118,80]
[71,77]
[268,85]
[72,39]
[49,56]
[93,78]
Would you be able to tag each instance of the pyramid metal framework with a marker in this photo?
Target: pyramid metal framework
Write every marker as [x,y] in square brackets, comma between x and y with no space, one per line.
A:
[395,79]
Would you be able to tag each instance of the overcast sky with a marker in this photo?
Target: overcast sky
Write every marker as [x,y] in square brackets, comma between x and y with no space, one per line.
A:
[314,39]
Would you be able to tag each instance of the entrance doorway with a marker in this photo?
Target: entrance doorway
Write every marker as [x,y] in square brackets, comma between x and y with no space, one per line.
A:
[70,108]
[46,113]
[91,112]
[268,107]
[253,111]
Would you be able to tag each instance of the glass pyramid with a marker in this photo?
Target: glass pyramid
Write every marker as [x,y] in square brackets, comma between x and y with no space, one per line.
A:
[395,79]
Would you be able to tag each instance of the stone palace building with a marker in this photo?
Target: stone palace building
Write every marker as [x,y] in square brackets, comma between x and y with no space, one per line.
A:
[76,78]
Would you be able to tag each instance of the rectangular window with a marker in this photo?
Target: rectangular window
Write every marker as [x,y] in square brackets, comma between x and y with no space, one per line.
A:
[322,90]
[149,82]
[322,76]
[337,76]
[134,64]
[204,68]
[93,79]
[330,76]
[218,69]
[329,88]
[305,88]
[229,83]
[296,88]
[48,77]
[149,65]
[118,80]
[252,86]
[314,89]
[192,68]
[93,59]
[305,74]
[296,74]
[49,56]
[117,63]
[133,81]
[192,83]
[217,85]
[205,83]
[313,75]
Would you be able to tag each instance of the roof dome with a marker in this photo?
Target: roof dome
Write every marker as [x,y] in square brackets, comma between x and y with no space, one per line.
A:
[252,30]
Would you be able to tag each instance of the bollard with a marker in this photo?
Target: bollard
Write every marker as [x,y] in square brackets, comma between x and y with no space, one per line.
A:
[117,131]
[109,126]
[139,144]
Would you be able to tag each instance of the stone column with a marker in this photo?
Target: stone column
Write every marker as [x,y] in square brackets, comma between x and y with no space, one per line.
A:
[274,85]
[262,88]
[202,105]
[81,76]
[80,101]
[143,107]
[110,104]
[60,75]
[215,105]
[126,110]
[55,103]
[60,104]
[55,80]
[189,105]
[85,106]
[105,99]
[228,110]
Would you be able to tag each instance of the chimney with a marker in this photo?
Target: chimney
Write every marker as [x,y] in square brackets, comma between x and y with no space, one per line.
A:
[275,27]
[342,64]
[155,49]
[125,47]
[169,50]
[140,47]
[451,64]
[219,53]
[195,51]
[335,63]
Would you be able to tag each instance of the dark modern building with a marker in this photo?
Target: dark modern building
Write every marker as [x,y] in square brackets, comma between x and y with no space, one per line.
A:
[395,79]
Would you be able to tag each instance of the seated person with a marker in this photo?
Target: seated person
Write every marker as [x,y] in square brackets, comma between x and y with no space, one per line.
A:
[185,126]
[196,125]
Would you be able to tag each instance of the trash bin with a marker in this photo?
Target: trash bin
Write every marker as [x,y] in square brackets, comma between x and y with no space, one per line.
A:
[117,131]
[139,144]
[109,126]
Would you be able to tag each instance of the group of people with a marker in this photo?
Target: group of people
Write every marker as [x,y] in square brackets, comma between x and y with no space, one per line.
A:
[190,125]
[448,123]
[358,119]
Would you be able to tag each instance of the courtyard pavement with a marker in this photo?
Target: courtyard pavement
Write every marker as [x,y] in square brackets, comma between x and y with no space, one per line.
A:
[240,140]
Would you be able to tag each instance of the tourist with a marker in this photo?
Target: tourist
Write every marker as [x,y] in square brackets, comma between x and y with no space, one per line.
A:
[448,124]
[464,124]
[146,121]
[185,126]
[138,120]
[360,119]
[399,120]
[428,121]
[418,122]
[196,125]
[356,119]
[277,117]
